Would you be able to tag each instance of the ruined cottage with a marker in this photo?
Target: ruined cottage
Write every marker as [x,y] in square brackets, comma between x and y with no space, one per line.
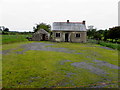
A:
[69,31]
[40,35]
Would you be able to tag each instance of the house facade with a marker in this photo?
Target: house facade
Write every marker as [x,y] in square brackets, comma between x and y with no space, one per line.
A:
[69,32]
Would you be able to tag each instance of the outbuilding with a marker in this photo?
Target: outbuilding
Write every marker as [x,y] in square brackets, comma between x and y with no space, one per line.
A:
[40,35]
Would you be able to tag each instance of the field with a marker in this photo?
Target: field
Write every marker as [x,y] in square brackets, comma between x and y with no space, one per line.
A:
[13,38]
[106,44]
[43,64]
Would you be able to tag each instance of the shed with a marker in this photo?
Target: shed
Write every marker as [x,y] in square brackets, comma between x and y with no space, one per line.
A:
[40,35]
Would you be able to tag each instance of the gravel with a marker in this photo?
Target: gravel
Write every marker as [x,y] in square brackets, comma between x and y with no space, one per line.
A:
[107,48]
[70,74]
[63,62]
[100,47]
[43,47]
[4,52]
[89,67]
[103,63]
[103,85]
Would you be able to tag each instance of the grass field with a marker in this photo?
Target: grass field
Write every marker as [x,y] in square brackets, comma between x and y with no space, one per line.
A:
[13,38]
[40,68]
[106,44]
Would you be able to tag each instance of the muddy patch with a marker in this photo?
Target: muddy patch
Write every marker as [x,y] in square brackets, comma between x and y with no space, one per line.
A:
[89,67]
[106,48]
[4,52]
[66,82]
[103,63]
[39,46]
[100,47]
[43,47]
[102,85]
[69,74]
[64,61]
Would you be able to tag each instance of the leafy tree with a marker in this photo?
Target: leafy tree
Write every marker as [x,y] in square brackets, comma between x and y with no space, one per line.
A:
[91,33]
[2,28]
[101,31]
[6,30]
[114,33]
[106,35]
[42,26]
[97,35]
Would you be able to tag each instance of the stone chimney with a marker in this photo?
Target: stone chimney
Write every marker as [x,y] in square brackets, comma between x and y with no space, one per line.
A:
[67,21]
[83,22]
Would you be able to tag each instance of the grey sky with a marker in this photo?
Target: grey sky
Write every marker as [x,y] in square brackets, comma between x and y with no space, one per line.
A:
[24,14]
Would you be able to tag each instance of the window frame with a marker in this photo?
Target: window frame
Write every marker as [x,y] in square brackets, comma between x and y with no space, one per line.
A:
[77,34]
[58,35]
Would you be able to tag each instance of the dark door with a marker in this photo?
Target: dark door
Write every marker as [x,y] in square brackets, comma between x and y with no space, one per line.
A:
[43,37]
[66,37]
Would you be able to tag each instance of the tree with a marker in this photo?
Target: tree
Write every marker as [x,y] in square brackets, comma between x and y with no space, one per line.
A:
[91,33]
[106,35]
[97,35]
[2,28]
[6,30]
[114,33]
[42,26]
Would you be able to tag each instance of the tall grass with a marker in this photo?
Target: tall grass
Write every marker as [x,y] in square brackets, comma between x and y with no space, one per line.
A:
[111,45]
[13,38]
[106,44]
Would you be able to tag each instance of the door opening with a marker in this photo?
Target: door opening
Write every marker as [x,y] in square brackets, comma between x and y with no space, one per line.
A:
[43,37]
[66,37]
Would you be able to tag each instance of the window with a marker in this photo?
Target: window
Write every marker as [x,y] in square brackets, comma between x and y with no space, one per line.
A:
[77,35]
[57,34]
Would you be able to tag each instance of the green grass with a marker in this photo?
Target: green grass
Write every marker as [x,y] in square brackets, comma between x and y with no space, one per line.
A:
[110,45]
[106,44]
[13,38]
[38,69]
[0,72]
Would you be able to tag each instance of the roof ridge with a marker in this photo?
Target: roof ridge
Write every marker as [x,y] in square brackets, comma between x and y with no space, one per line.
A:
[69,22]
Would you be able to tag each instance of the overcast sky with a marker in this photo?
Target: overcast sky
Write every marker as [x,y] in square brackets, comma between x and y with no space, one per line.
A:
[22,15]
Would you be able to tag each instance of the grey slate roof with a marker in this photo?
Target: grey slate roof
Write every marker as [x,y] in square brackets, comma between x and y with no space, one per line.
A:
[71,26]
[42,31]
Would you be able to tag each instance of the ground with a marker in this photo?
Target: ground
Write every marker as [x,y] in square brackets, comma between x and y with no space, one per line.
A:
[50,64]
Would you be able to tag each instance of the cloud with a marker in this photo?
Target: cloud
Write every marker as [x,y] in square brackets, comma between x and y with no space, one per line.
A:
[24,14]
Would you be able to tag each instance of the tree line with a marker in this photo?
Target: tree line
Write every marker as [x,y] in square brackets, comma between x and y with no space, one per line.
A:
[112,35]
[5,31]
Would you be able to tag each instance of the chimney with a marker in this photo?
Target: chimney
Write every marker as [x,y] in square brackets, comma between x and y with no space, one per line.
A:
[83,22]
[67,21]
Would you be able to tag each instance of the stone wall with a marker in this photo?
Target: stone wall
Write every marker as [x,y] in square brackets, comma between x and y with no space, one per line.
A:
[71,36]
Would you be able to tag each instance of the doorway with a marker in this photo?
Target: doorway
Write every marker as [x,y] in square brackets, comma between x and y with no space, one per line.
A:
[43,37]
[66,37]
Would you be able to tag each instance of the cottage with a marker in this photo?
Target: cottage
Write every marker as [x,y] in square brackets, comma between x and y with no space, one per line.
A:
[69,31]
[40,35]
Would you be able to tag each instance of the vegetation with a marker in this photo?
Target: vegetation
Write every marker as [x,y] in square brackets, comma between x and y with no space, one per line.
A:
[106,44]
[39,69]
[42,26]
[13,38]
[2,28]
[110,45]
[113,34]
